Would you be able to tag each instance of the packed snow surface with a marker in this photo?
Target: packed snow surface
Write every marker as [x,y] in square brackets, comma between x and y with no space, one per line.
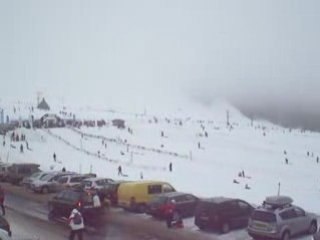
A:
[206,153]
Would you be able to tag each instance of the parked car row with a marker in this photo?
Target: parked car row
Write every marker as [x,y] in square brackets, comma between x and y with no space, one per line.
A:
[276,218]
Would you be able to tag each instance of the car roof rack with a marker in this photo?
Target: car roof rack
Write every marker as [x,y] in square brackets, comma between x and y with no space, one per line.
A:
[277,202]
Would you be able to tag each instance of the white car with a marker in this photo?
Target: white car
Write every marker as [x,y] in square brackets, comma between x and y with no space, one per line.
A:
[28,181]
[96,183]
[72,180]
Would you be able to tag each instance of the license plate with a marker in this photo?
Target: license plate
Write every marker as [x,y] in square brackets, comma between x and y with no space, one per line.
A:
[260,225]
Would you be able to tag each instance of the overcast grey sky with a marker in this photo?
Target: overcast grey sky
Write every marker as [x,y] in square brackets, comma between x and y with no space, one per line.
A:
[255,53]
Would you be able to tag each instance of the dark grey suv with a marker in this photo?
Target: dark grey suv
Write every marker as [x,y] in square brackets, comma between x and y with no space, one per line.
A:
[222,214]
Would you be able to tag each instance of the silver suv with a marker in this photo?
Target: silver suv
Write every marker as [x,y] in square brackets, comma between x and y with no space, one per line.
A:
[48,183]
[277,218]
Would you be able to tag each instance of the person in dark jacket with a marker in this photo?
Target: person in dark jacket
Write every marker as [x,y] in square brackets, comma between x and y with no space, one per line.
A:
[76,224]
[173,217]
[2,200]
[119,170]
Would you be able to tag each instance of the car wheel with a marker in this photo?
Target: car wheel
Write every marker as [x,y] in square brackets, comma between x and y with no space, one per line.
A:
[50,207]
[285,236]
[225,228]
[313,228]
[51,214]
[201,227]
[45,190]
[141,208]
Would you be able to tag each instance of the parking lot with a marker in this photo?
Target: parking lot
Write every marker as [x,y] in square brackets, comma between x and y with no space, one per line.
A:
[34,205]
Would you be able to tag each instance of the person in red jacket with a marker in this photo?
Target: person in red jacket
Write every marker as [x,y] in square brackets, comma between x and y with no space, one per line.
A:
[2,201]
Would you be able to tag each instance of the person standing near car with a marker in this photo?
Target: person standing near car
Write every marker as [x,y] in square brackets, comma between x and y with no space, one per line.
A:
[76,224]
[169,213]
[2,201]
[96,199]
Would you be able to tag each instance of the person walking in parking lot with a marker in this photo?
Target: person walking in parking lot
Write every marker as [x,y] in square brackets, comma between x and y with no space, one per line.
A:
[76,224]
[2,201]
[96,199]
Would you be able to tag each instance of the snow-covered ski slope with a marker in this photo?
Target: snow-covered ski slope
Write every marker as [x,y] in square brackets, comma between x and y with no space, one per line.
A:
[207,171]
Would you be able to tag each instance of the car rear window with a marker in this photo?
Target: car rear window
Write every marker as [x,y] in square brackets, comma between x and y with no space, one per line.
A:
[76,179]
[264,216]
[87,183]
[102,182]
[206,207]
[70,195]
[159,200]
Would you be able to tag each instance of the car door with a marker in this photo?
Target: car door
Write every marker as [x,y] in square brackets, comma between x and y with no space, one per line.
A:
[232,214]
[61,182]
[289,217]
[69,202]
[57,204]
[190,204]
[227,211]
[181,204]
[52,183]
[244,212]
[302,222]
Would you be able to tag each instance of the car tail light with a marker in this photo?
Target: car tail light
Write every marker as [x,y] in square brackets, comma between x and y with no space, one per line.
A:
[168,208]
[272,227]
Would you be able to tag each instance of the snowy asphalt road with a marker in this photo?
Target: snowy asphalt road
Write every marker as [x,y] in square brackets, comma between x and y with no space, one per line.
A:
[28,218]
[25,227]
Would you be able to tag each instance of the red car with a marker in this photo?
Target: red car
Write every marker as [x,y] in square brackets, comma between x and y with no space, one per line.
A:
[166,203]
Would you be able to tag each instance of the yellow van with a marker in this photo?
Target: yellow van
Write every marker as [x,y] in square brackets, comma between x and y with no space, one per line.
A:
[135,196]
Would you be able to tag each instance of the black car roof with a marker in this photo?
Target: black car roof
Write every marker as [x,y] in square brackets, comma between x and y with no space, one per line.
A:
[171,194]
[119,182]
[218,200]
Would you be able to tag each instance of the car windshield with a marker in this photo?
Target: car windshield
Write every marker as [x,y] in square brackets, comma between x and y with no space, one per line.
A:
[36,175]
[264,216]
[205,206]
[102,182]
